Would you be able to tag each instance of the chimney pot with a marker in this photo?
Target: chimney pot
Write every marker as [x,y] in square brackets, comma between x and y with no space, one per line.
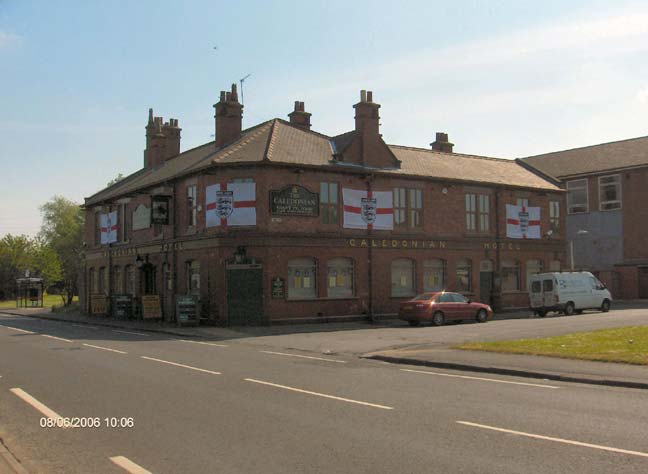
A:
[222,96]
[296,106]
[363,96]
[369,96]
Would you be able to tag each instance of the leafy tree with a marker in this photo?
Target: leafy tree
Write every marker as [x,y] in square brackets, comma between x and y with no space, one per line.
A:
[62,231]
[115,180]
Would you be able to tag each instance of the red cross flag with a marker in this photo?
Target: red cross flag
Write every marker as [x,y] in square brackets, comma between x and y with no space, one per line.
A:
[108,223]
[230,204]
[522,222]
[368,209]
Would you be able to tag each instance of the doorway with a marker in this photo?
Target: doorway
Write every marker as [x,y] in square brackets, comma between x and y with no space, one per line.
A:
[485,281]
[245,295]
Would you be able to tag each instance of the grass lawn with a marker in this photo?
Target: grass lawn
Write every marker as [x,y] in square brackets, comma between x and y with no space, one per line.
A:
[629,345]
[48,302]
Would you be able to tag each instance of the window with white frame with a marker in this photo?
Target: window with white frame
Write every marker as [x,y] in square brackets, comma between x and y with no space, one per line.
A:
[510,275]
[301,278]
[484,212]
[408,205]
[329,202]
[471,212]
[192,204]
[402,277]
[554,216]
[463,275]
[434,272]
[340,277]
[609,192]
[577,197]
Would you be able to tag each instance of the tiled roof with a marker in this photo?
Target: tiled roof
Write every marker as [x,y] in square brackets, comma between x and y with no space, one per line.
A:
[279,142]
[593,159]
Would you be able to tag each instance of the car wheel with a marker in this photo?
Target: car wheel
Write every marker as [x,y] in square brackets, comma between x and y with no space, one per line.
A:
[605,306]
[569,308]
[482,317]
[414,323]
[438,319]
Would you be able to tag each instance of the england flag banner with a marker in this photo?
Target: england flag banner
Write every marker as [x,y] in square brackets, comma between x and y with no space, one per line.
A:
[522,222]
[230,204]
[108,224]
[368,209]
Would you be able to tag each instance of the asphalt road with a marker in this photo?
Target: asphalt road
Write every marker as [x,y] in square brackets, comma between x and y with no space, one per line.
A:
[247,408]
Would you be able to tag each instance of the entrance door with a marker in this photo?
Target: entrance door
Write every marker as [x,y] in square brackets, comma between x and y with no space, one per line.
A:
[643,282]
[245,295]
[485,281]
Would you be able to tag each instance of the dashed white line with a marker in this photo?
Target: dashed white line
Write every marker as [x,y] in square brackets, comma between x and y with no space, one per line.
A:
[84,326]
[57,338]
[317,394]
[105,348]
[479,378]
[18,329]
[181,365]
[305,357]
[48,412]
[129,465]
[131,332]
[204,343]
[557,440]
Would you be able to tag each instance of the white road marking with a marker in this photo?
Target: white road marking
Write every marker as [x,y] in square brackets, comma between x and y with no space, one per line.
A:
[204,343]
[48,412]
[479,378]
[308,392]
[57,338]
[105,348]
[557,440]
[130,332]
[129,465]
[84,326]
[18,329]
[181,365]
[304,357]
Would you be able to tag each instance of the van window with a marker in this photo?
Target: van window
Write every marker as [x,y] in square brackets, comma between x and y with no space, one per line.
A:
[536,287]
[548,285]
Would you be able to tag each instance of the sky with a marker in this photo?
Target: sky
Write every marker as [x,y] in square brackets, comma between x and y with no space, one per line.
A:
[503,78]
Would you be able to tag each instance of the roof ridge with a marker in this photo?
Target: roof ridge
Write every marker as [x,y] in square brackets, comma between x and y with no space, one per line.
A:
[292,125]
[272,139]
[478,157]
[585,147]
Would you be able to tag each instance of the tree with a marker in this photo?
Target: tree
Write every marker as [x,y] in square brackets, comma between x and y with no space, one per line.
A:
[115,180]
[62,231]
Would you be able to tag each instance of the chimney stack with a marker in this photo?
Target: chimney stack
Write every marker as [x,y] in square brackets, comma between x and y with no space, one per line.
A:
[300,118]
[162,140]
[366,116]
[229,117]
[441,143]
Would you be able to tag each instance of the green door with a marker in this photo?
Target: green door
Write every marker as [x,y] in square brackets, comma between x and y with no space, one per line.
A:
[485,286]
[244,295]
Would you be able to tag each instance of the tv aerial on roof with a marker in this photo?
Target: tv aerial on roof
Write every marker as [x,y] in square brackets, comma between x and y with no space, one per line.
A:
[241,81]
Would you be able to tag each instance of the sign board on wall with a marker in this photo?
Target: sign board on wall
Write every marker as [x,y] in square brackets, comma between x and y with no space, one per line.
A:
[151,308]
[141,217]
[294,200]
[278,288]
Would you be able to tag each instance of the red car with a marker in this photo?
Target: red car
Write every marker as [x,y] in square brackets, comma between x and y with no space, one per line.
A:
[441,307]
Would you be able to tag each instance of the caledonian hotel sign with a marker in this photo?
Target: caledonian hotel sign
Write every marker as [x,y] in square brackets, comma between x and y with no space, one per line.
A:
[423,244]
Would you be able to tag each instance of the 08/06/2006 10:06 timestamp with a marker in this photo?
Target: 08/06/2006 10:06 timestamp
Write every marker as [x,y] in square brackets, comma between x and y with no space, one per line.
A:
[87,422]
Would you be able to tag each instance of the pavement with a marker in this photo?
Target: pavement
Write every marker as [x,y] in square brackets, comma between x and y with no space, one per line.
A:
[391,341]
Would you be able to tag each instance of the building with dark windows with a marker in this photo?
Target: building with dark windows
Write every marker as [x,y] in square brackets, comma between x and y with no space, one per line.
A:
[280,223]
[606,222]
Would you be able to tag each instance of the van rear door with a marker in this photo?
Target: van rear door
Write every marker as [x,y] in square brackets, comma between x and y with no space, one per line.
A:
[535,294]
[548,293]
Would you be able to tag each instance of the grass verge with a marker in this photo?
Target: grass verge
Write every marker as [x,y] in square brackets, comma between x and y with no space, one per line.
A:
[48,302]
[628,345]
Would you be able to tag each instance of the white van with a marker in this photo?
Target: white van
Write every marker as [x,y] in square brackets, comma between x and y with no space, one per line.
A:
[567,292]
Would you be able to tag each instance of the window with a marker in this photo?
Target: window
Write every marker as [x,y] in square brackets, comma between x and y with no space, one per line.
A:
[124,223]
[536,286]
[445,298]
[523,202]
[554,266]
[129,279]
[340,277]
[457,298]
[118,280]
[533,267]
[434,272]
[168,277]
[97,230]
[329,203]
[301,278]
[102,280]
[547,285]
[609,192]
[408,206]
[192,204]
[92,280]
[464,275]
[192,271]
[471,212]
[577,196]
[484,212]
[510,275]
[554,216]
[402,277]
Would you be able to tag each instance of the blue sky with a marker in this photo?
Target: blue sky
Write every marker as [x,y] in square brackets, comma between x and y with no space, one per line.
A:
[504,79]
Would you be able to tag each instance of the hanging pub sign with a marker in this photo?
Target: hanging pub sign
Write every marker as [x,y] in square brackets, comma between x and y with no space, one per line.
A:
[278,288]
[160,209]
[294,200]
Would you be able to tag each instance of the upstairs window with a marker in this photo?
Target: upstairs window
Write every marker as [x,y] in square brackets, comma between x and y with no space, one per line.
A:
[192,204]
[609,192]
[554,216]
[484,212]
[329,203]
[408,207]
[577,196]
[471,212]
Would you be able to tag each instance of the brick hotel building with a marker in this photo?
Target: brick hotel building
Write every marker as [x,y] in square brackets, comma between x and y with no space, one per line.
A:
[259,225]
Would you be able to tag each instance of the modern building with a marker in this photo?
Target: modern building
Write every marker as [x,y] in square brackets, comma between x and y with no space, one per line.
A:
[607,218]
[280,223]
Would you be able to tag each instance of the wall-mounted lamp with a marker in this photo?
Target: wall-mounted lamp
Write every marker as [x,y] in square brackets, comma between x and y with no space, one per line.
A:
[240,254]
[139,262]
